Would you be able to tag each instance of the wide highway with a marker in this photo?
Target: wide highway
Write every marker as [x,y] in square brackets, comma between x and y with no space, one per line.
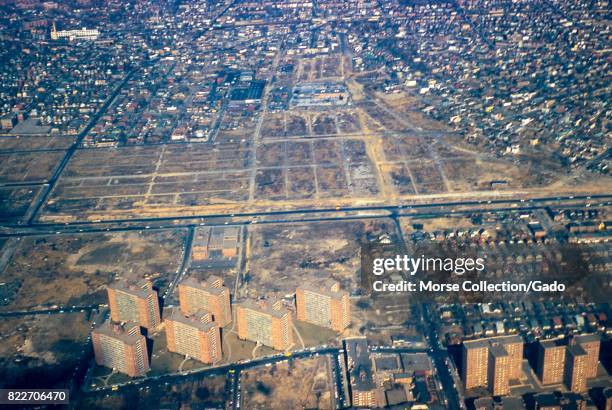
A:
[429,210]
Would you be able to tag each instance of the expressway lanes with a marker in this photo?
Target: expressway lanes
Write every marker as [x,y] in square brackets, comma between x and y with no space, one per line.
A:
[542,201]
[300,215]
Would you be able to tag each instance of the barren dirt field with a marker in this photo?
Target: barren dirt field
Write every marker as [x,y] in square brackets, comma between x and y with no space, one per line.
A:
[206,392]
[14,202]
[42,349]
[28,166]
[295,384]
[34,143]
[281,257]
[73,270]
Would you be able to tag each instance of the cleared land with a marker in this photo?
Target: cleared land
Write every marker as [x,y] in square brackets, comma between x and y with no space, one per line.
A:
[289,385]
[205,392]
[160,178]
[281,257]
[14,202]
[74,270]
[175,180]
[28,166]
[18,143]
[41,351]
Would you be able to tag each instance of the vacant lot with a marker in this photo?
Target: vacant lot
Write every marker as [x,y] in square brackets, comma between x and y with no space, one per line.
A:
[296,384]
[477,174]
[323,124]
[154,179]
[323,167]
[378,318]
[270,183]
[41,351]
[28,166]
[283,257]
[348,122]
[301,182]
[402,179]
[273,126]
[14,202]
[427,177]
[23,143]
[399,148]
[74,270]
[297,125]
[195,392]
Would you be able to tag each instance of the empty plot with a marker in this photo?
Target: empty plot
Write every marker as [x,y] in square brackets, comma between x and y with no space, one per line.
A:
[327,151]
[363,179]
[382,116]
[406,148]
[478,174]
[402,181]
[392,148]
[332,179]
[331,67]
[177,179]
[29,166]
[200,158]
[74,269]
[127,179]
[355,151]
[299,153]
[348,122]
[304,383]
[118,162]
[273,126]
[296,125]
[425,173]
[427,178]
[323,124]
[38,351]
[34,143]
[301,182]
[270,183]
[271,154]
[14,202]
[286,256]
[202,392]
[446,152]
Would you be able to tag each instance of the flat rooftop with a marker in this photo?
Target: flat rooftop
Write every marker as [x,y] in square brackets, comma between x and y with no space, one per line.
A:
[127,332]
[213,284]
[200,320]
[264,306]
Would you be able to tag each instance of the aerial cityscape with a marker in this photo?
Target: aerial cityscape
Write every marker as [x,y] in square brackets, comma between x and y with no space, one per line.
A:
[306,204]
